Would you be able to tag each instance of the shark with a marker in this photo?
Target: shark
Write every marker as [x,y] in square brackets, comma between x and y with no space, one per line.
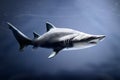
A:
[57,39]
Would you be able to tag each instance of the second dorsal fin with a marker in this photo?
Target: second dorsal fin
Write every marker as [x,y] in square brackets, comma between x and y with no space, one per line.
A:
[36,35]
[49,26]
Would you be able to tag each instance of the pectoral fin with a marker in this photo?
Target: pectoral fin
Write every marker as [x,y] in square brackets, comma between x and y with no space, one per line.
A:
[52,55]
[55,52]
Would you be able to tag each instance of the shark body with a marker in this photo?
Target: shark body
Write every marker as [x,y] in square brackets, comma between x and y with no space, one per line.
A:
[57,39]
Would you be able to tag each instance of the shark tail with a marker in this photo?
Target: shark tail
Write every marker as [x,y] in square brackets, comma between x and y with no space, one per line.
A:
[22,39]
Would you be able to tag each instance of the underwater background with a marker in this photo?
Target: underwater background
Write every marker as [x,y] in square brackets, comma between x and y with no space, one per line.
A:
[101,62]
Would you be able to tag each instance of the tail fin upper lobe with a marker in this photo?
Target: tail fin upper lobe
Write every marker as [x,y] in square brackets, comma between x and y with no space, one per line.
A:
[22,39]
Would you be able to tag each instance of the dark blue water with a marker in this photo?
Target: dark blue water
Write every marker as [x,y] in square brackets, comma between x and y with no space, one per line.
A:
[100,62]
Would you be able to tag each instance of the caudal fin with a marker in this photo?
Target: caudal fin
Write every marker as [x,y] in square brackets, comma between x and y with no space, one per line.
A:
[22,39]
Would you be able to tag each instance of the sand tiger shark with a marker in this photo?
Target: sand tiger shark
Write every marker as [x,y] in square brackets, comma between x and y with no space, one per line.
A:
[56,38]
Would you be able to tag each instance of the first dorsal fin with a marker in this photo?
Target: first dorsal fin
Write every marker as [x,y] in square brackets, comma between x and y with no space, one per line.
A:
[49,26]
[36,35]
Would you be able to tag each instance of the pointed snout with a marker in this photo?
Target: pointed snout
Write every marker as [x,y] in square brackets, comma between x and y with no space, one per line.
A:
[100,37]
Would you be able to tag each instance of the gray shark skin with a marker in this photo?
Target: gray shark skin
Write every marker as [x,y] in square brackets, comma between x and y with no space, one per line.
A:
[57,39]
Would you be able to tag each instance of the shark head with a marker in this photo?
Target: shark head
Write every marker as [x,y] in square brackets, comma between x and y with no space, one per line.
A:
[86,40]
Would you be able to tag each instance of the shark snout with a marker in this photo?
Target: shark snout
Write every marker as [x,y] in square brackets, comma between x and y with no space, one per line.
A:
[100,37]
[96,39]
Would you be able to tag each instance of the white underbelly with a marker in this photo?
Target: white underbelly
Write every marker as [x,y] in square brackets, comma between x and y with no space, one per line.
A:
[77,46]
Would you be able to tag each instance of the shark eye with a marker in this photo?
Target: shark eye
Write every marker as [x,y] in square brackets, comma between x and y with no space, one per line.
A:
[92,42]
